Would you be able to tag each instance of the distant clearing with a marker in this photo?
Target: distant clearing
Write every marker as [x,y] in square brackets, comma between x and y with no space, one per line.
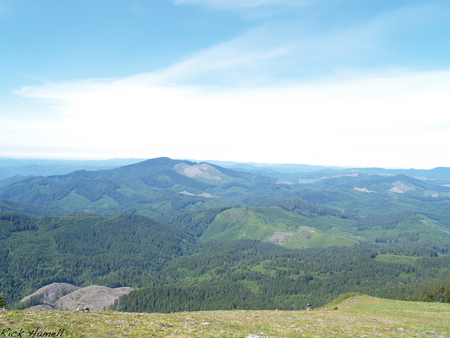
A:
[400,188]
[401,259]
[206,195]
[363,190]
[202,170]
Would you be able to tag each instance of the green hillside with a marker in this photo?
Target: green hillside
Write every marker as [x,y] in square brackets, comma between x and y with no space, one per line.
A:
[7,207]
[275,225]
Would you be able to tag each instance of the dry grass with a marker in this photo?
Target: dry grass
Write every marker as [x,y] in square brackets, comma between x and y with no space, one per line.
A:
[357,316]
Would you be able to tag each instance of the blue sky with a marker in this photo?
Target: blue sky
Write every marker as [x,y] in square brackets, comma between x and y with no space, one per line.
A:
[331,82]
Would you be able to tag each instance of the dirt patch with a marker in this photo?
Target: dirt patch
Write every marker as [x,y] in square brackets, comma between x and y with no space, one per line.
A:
[363,190]
[397,190]
[184,192]
[302,234]
[281,237]
[283,182]
[400,188]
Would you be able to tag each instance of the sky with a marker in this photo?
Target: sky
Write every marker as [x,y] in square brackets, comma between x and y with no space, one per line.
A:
[355,83]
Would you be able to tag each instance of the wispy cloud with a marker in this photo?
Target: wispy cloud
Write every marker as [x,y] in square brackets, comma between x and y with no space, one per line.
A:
[295,50]
[241,60]
[270,54]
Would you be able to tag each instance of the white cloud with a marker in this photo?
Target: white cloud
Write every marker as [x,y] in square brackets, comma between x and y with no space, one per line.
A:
[395,122]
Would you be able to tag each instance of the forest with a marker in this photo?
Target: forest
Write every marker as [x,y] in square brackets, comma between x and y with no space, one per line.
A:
[255,244]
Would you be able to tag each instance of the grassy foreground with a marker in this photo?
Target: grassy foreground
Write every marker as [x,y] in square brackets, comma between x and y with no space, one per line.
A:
[349,316]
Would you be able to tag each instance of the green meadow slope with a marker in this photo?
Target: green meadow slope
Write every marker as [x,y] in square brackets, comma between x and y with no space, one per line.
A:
[352,315]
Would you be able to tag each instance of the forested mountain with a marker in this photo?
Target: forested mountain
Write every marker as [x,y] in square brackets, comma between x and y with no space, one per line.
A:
[29,210]
[147,187]
[220,238]
[83,249]
[162,185]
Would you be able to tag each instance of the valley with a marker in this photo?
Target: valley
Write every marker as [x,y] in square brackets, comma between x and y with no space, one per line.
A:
[192,236]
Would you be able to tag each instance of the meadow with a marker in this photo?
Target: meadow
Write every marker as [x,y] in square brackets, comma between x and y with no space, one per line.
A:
[351,315]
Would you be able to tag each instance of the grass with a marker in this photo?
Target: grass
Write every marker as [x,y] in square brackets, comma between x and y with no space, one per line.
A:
[401,259]
[352,315]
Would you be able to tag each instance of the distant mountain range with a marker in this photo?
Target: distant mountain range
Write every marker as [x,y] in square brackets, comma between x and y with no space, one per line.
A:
[10,167]
[164,185]
[294,172]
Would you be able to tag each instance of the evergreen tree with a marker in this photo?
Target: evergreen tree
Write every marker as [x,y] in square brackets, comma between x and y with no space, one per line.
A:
[2,301]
